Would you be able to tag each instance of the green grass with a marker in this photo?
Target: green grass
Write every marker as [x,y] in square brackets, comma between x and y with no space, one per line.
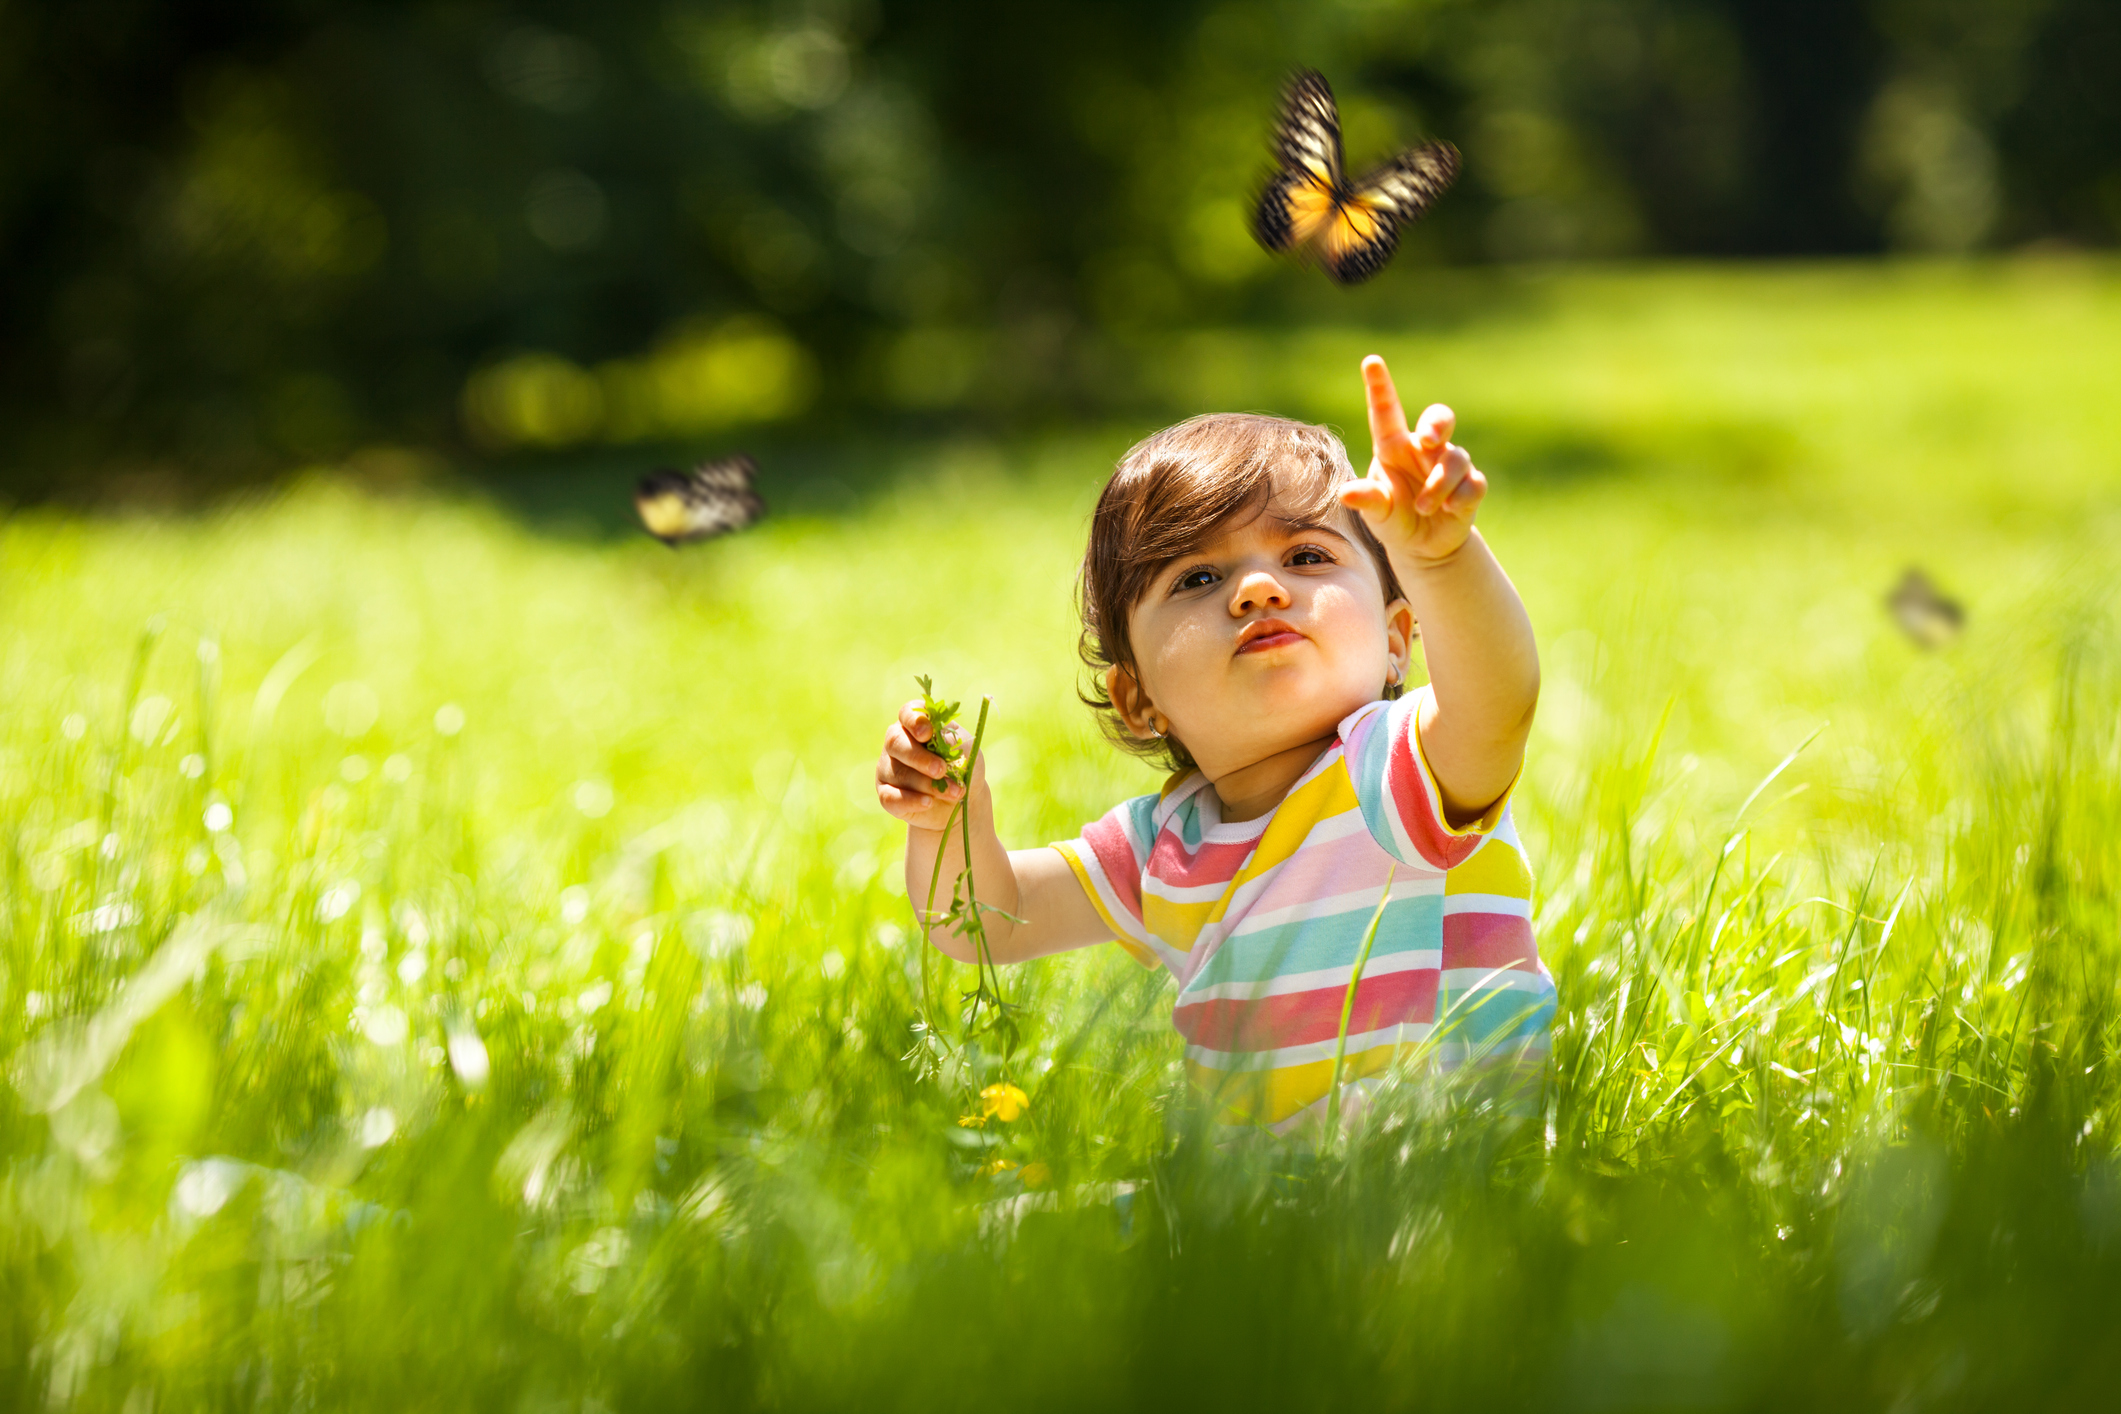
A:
[558,1060]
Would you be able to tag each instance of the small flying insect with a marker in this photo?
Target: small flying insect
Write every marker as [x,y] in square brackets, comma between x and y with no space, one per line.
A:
[712,499]
[1309,205]
[1923,612]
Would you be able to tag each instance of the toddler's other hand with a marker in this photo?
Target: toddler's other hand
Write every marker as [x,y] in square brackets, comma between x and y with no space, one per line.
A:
[1421,492]
[909,777]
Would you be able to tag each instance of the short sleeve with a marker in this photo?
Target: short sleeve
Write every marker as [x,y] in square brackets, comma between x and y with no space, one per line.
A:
[1109,859]
[1400,800]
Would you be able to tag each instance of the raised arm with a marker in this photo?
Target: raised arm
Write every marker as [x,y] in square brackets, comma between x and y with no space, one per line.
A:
[1035,885]
[1419,499]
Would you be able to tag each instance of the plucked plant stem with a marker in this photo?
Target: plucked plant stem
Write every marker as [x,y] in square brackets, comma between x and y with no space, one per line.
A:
[986,1011]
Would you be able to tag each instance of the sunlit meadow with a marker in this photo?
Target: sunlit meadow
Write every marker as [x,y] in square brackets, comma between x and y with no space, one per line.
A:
[454,960]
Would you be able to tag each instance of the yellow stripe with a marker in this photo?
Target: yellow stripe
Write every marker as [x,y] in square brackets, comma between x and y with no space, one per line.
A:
[1178,924]
[1495,868]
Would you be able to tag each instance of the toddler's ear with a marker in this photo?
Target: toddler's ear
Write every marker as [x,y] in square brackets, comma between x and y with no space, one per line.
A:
[1401,629]
[1129,700]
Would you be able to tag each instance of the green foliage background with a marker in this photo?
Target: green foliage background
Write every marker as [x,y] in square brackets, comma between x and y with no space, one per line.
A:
[449,953]
[451,956]
[254,235]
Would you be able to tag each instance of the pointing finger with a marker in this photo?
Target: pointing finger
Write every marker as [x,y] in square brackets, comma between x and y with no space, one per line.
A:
[1388,419]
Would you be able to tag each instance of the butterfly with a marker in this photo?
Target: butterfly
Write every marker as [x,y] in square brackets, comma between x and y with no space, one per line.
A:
[712,499]
[1309,203]
[1923,612]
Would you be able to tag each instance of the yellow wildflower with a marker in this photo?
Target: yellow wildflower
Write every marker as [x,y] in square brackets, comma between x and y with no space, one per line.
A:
[1036,1175]
[971,1121]
[995,1166]
[1003,1101]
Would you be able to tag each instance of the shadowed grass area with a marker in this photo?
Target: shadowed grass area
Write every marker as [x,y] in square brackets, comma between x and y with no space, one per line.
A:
[451,966]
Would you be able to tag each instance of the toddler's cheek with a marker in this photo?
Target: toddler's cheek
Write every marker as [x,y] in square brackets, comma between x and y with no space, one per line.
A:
[1349,611]
[1185,646]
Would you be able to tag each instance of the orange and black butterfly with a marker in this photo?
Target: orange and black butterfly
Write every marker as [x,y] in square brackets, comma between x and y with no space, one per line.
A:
[1309,205]
[1923,611]
[713,498]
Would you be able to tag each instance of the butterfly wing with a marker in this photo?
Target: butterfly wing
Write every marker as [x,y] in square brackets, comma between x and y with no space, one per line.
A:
[1307,131]
[1299,199]
[1406,187]
[1923,612]
[1292,211]
[712,499]
[1364,231]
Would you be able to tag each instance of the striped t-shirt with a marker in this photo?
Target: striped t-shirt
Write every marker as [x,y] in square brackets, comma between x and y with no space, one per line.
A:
[1260,921]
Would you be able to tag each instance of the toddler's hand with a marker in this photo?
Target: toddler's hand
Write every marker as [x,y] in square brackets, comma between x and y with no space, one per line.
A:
[909,777]
[1421,492]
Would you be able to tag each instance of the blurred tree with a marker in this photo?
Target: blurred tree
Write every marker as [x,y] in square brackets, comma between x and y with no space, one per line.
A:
[247,234]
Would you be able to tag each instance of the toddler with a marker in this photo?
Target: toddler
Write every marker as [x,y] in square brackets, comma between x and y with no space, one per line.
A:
[1249,609]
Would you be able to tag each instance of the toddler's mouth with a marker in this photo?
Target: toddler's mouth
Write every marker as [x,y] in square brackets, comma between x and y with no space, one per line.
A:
[1262,634]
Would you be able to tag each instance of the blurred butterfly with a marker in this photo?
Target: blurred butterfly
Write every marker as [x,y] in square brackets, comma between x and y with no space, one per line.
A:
[712,499]
[1923,612]
[1352,228]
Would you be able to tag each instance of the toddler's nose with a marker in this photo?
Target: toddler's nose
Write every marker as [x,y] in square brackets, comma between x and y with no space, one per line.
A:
[1255,591]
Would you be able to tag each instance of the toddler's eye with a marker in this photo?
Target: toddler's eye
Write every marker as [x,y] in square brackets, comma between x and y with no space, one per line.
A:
[1199,578]
[1309,555]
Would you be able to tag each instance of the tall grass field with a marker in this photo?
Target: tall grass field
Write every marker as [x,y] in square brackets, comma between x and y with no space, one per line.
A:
[451,957]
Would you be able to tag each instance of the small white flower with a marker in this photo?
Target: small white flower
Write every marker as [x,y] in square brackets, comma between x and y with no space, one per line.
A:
[108,919]
[205,1187]
[593,798]
[377,1127]
[333,904]
[386,1026]
[468,1058]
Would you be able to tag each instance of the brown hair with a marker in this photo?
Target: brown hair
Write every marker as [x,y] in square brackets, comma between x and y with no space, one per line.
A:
[1174,491]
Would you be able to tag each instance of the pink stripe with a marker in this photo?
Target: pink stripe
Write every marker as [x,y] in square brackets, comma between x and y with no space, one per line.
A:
[1116,860]
[1300,1018]
[1489,940]
[1323,868]
[1417,811]
[1212,863]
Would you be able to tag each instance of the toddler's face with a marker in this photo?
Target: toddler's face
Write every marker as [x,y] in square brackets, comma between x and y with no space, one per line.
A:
[1265,638]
